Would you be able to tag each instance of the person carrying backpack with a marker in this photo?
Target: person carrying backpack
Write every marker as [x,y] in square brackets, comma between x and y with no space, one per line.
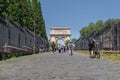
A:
[92,44]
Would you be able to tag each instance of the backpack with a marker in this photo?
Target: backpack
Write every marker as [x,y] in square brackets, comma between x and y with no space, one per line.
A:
[90,42]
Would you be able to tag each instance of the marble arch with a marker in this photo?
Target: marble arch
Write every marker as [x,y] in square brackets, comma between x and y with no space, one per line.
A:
[60,33]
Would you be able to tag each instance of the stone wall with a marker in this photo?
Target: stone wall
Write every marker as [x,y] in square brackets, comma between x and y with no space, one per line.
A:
[11,34]
[108,38]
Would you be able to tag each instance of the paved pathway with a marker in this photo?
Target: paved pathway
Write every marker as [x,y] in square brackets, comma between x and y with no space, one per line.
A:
[47,66]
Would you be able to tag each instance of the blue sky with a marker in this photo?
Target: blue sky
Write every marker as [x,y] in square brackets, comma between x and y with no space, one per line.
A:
[77,14]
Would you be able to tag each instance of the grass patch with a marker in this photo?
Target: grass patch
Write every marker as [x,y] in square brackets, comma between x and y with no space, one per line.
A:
[111,55]
[11,55]
[82,52]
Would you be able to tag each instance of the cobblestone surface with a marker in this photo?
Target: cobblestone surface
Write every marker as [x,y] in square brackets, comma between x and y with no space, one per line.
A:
[47,66]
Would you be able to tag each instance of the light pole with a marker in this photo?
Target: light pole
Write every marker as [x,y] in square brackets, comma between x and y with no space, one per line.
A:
[34,37]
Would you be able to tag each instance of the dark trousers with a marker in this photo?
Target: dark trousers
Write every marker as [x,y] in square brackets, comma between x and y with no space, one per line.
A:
[71,51]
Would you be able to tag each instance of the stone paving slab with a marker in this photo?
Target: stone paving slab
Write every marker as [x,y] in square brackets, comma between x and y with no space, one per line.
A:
[48,66]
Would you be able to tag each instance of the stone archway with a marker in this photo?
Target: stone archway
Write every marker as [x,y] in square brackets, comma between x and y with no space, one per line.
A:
[60,33]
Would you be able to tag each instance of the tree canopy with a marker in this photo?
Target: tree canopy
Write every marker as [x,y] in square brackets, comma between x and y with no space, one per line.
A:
[27,13]
[98,26]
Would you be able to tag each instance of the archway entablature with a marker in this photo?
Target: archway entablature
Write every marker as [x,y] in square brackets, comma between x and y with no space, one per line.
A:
[60,33]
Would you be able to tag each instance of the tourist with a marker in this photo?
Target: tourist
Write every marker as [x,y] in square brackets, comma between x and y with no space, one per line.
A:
[71,46]
[91,43]
[59,48]
[53,47]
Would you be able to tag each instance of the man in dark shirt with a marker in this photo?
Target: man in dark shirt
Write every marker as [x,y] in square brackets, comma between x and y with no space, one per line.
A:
[92,44]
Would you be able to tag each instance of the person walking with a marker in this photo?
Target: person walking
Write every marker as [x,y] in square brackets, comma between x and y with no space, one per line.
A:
[59,48]
[70,46]
[53,47]
[91,43]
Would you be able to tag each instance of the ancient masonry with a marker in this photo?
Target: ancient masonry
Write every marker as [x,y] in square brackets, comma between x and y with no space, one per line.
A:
[108,38]
[60,33]
[14,38]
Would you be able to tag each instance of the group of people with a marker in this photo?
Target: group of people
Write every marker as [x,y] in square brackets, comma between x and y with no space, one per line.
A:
[61,48]
[92,43]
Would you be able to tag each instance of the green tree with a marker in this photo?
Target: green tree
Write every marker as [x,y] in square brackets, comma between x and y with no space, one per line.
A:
[92,27]
[99,25]
[12,10]
[38,18]
[66,42]
[73,40]
[3,7]
[26,13]
[23,12]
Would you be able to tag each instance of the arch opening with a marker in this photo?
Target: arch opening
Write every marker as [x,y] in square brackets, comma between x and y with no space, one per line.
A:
[61,42]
